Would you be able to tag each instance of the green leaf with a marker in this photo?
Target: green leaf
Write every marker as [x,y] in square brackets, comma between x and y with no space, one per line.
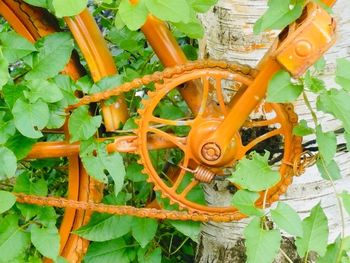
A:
[68,7]
[133,173]
[202,6]
[342,73]
[12,93]
[281,89]
[192,29]
[7,201]
[103,227]
[327,144]
[14,46]
[54,52]
[107,83]
[20,145]
[4,70]
[144,230]
[81,125]
[262,245]
[302,129]
[144,256]
[287,219]
[42,89]
[255,174]
[30,118]
[57,115]
[97,162]
[278,15]
[332,253]
[188,228]
[13,240]
[39,3]
[245,202]
[7,128]
[46,240]
[314,84]
[133,15]
[173,11]
[320,65]
[8,163]
[67,88]
[346,201]
[328,171]
[108,252]
[336,102]
[315,229]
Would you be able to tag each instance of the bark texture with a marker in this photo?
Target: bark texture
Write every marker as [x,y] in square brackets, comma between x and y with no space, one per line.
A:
[229,36]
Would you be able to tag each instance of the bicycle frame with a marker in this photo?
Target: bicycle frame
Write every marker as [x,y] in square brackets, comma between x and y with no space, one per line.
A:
[170,54]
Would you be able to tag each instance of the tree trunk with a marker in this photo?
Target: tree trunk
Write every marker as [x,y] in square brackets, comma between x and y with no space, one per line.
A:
[228,36]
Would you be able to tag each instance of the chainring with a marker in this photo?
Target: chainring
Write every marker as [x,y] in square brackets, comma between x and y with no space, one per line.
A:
[274,120]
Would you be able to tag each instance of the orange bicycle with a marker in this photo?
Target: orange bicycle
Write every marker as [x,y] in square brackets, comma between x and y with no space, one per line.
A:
[221,102]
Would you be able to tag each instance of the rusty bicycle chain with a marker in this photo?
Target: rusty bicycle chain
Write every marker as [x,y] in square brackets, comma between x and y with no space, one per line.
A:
[151,212]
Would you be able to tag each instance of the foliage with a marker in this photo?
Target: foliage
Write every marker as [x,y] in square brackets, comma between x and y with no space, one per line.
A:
[28,71]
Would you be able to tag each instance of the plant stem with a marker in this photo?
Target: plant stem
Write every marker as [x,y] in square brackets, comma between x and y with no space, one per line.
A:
[308,105]
[286,256]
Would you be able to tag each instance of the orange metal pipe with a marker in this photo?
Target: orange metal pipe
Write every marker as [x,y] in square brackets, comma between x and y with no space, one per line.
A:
[245,105]
[100,61]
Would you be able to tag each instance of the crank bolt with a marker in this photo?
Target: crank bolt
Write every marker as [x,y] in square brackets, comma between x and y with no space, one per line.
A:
[211,151]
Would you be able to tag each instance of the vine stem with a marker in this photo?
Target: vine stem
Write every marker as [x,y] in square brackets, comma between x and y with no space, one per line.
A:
[341,213]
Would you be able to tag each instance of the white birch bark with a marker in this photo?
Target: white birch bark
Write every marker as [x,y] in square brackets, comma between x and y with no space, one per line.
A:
[228,36]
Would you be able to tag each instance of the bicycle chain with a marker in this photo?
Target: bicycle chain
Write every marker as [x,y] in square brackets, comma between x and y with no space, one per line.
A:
[151,212]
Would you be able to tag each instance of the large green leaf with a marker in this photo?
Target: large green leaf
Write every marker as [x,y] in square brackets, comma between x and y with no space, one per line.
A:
[43,89]
[107,252]
[134,173]
[54,52]
[188,228]
[46,240]
[279,14]
[327,144]
[20,145]
[7,201]
[333,253]
[4,70]
[40,3]
[245,202]
[82,125]
[133,15]
[328,171]
[287,219]
[315,229]
[281,89]
[262,245]
[144,230]
[342,73]
[255,174]
[346,201]
[68,7]
[173,11]
[97,162]
[7,128]
[13,239]
[103,227]
[8,163]
[30,118]
[12,93]
[14,46]
[193,28]
[336,102]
